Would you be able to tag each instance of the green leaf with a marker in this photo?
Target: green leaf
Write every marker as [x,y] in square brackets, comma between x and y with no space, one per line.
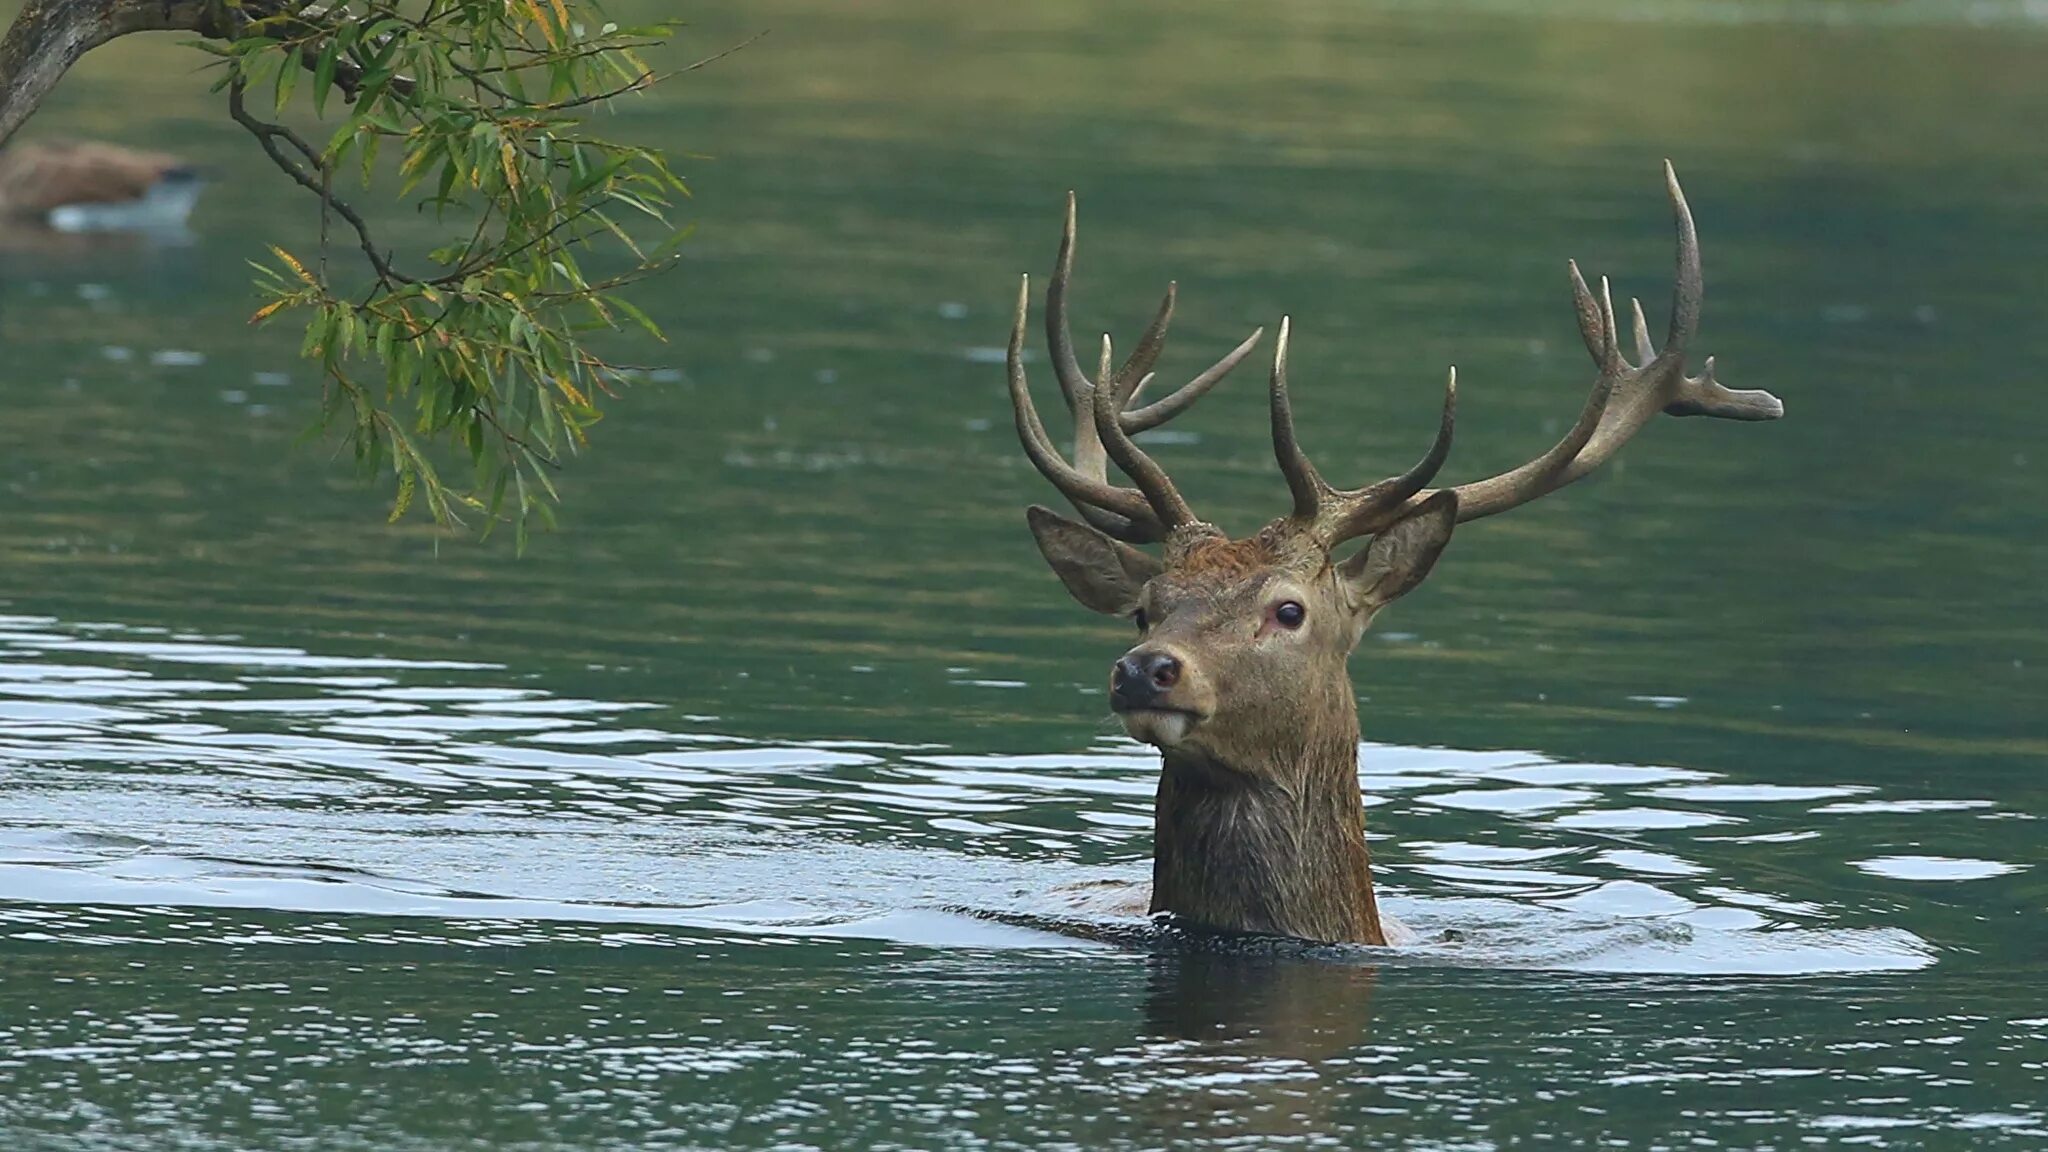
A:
[478,334]
[408,482]
[323,74]
[287,80]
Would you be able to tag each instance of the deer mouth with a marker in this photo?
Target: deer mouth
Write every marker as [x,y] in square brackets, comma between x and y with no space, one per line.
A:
[1159,727]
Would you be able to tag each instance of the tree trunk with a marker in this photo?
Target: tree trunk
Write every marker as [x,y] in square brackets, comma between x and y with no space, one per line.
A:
[49,36]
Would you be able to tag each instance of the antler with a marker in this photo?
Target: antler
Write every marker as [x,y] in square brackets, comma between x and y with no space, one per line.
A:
[1333,515]
[1624,398]
[1104,420]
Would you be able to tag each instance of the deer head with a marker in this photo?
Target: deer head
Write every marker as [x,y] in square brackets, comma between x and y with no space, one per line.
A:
[1240,674]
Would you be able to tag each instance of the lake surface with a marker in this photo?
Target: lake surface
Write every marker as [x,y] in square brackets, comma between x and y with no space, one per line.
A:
[738,813]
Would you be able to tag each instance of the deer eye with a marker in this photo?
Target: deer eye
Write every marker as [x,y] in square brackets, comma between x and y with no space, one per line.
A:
[1290,614]
[1140,619]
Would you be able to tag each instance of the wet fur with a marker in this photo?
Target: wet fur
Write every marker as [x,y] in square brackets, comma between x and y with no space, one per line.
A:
[1258,822]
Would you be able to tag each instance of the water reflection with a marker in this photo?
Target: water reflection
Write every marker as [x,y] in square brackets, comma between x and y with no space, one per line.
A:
[1260,1030]
[1270,1000]
[744,1043]
[42,255]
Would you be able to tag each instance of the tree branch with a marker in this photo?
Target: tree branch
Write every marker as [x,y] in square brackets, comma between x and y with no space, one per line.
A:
[49,36]
[268,135]
[484,341]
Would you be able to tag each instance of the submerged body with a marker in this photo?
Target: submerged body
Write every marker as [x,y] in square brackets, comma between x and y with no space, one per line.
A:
[88,186]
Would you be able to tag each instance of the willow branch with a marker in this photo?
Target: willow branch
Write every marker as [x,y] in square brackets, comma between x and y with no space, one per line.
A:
[273,138]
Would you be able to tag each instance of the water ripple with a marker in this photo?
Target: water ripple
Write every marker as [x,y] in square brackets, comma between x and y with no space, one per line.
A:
[426,791]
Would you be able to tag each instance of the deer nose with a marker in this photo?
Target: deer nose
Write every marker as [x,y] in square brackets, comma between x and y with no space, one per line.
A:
[1142,676]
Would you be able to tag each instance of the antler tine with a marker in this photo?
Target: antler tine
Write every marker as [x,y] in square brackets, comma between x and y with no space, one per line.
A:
[1625,397]
[1137,372]
[1612,334]
[1546,473]
[1121,512]
[1163,498]
[1058,339]
[1307,486]
[1645,351]
[1102,377]
[1687,287]
[1138,368]
[1334,515]
[1368,510]
[1182,398]
[1074,383]
[1596,320]
[1154,508]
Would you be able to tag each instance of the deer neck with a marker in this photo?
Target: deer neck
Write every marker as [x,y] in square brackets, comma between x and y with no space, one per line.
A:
[1272,843]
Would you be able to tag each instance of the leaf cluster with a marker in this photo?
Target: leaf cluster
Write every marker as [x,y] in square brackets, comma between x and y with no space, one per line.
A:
[481,341]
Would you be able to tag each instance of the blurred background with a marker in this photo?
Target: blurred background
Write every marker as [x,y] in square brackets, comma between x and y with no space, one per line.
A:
[801,539]
[825,473]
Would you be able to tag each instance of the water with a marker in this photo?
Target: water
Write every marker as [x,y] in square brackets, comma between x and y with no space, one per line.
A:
[773,803]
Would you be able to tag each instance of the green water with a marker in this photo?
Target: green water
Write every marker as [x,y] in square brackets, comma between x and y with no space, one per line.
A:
[1723,770]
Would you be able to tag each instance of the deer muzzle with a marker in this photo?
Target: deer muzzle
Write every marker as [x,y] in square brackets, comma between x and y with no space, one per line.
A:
[1146,687]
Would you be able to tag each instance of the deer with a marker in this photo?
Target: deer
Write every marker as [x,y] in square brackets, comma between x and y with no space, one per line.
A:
[1240,677]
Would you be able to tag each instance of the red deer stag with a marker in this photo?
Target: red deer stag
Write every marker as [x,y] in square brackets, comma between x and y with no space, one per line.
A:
[1239,677]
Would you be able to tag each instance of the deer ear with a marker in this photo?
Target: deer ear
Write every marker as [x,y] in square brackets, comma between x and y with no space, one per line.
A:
[1401,556]
[1104,574]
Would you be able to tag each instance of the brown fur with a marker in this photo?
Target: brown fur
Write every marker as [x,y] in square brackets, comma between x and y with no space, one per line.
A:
[1218,558]
[1258,818]
[1258,822]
